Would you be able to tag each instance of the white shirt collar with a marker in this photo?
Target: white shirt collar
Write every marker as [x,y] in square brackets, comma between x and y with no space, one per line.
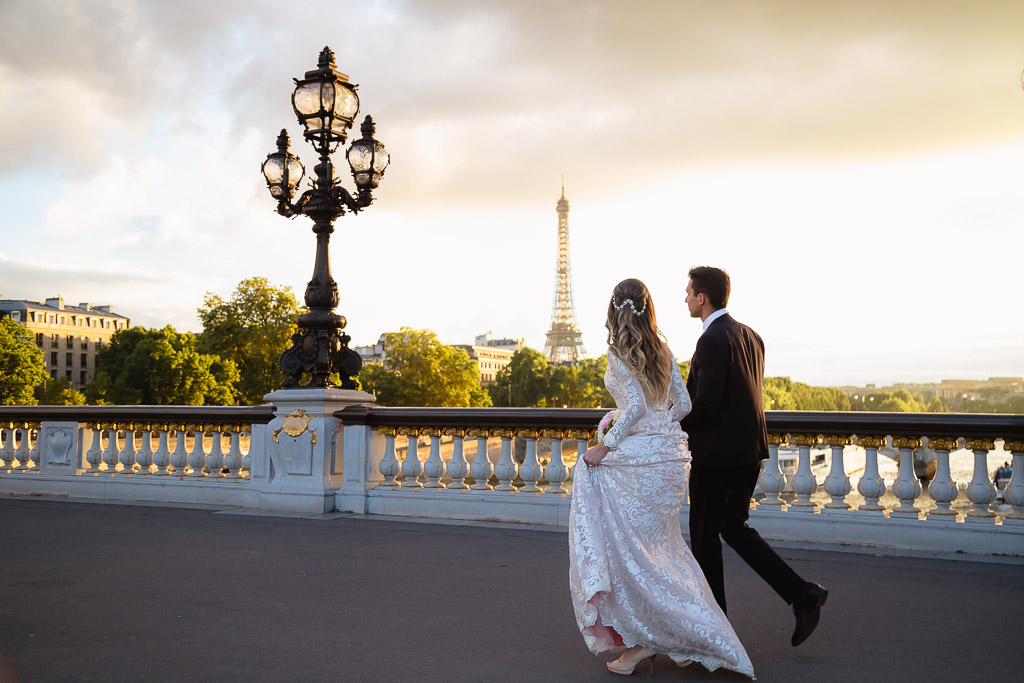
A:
[713,317]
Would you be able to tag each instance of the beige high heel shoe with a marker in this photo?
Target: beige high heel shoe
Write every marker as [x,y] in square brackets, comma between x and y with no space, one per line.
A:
[626,667]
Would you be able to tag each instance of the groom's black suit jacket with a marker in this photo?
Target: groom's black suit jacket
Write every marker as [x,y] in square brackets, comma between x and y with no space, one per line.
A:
[726,425]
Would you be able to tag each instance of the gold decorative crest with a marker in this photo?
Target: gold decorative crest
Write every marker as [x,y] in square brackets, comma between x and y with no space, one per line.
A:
[294,425]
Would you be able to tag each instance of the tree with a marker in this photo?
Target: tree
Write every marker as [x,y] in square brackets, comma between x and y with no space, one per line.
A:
[421,371]
[525,381]
[782,393]
[22,364]
[252,329]
[59,392]
[160,367]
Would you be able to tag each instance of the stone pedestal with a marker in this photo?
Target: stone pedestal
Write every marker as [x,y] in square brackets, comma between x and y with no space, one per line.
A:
[304,449]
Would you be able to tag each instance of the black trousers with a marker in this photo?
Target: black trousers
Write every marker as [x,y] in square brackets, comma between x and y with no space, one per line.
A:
[719,507]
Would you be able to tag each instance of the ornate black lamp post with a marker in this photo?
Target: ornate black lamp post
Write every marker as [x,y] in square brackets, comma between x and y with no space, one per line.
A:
[326,104]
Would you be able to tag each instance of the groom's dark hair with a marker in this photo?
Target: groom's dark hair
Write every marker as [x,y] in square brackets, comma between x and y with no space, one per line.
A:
[712,283]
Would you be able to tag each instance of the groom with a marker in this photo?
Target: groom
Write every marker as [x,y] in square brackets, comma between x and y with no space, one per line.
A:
[728,441]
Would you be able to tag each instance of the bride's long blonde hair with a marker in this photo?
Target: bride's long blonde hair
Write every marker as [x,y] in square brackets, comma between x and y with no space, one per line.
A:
[634,337]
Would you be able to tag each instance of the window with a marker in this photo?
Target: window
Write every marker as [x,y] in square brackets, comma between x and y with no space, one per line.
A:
[63,320]
[70,358]
[85,359]
[16,316]
[82,378]
[54,340]
[32,316]
[71,341]
[85,343]
[68,373]
[39,339]
[53,358]
[53,373]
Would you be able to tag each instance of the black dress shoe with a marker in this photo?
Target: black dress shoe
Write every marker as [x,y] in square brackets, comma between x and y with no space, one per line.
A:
[807,609]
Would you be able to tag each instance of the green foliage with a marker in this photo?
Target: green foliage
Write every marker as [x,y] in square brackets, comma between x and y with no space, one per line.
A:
[160,367]
[782,393]
[59,392]
[22,364]
[252,329]
[524,382]
[421,371]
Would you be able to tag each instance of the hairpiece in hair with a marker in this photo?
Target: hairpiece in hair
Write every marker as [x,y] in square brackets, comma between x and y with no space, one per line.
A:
[619,307]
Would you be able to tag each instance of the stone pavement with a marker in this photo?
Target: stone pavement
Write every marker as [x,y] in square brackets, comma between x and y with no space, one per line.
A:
[92,592]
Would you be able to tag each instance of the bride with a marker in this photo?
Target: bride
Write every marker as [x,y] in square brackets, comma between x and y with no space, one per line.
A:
[634,582]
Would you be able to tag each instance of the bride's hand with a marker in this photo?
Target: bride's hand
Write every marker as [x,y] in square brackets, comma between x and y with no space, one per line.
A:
[595,455]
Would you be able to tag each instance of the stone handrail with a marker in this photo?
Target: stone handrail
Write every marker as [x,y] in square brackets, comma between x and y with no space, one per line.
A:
[317,451]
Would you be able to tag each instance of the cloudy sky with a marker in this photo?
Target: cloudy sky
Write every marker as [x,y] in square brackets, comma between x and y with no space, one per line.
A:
[858,167]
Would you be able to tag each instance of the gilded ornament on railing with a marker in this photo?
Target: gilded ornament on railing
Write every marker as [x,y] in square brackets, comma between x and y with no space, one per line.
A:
[870,441]
[528,433]
[837,440]
[980,444]
[505,433]
[552,433]
[942,443]
[409,431]
[776,439]
[454,432]
[804,439]
[295,424]
[478,433]
[911,442]
[584,434]
[431,432]
[387,431]
[1014,446]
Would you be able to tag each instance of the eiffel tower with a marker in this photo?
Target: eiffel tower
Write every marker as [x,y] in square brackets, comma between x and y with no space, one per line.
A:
[564,345]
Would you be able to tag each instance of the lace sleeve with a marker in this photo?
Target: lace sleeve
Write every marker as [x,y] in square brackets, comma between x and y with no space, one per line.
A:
[680,396]
[636,404]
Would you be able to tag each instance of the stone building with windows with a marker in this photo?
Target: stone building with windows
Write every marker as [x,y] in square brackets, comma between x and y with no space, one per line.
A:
[491,355]
[69,336]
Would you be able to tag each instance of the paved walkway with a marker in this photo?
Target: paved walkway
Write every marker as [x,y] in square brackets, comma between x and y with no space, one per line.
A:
[106,593]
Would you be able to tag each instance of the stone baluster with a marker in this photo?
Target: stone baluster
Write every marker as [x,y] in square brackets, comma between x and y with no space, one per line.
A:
[23,454]
[906,487]
[215,458]
[233,459]
[482,469]
[179,458]
[942,489]
[507,468]
[389,466]
[162,456]
[197,456]
[94,456]
[7,451]
[981,491]
[434,467]
[771,479]
[530,471]
[126,457]
[144,457]
[556,472]
[837,483]
[458,467]
[1013,494]
[412,468]
[871,484]
[34,429]
[804,481]
[112,451]
[246,431]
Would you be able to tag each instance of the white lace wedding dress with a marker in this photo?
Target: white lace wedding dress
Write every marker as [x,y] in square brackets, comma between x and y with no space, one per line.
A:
[632,577]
